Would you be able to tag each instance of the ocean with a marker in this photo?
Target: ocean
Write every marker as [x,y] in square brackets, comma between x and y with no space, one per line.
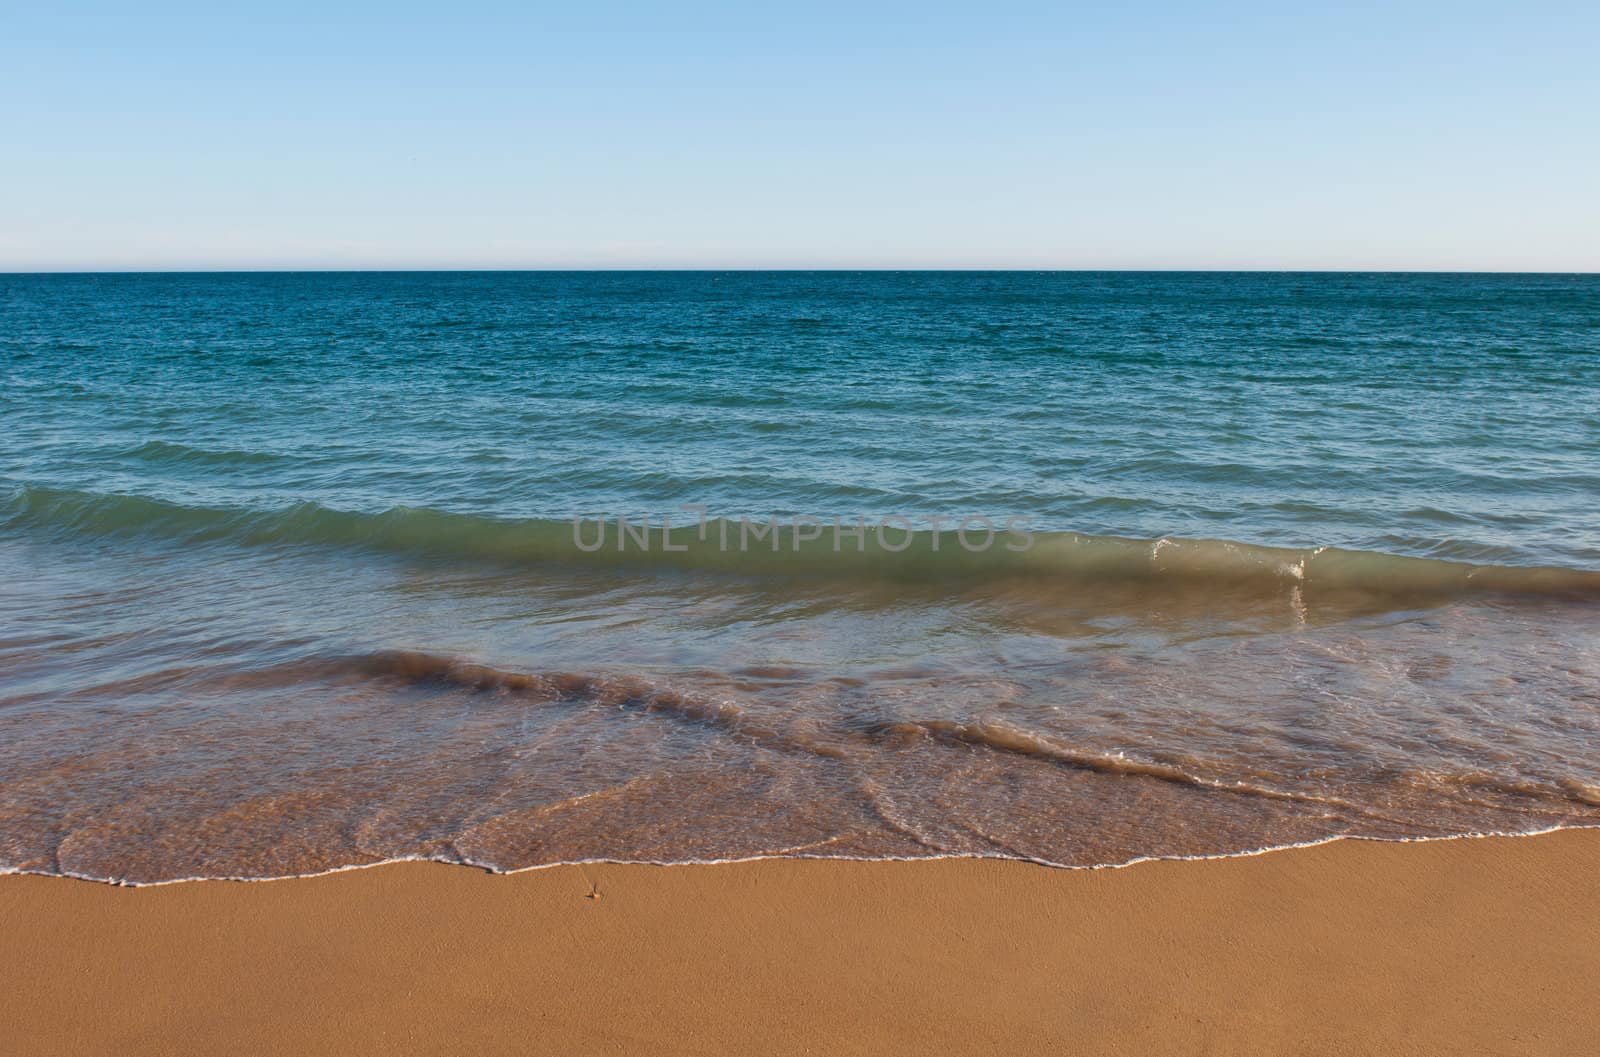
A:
[308,571]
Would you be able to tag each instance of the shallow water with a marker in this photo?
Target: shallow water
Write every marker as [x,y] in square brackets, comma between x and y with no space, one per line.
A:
[289,579]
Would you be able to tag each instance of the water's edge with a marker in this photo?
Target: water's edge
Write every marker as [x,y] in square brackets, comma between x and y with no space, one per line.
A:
[9,871]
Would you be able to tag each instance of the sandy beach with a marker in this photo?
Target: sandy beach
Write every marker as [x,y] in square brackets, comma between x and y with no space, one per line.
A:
[1476,946]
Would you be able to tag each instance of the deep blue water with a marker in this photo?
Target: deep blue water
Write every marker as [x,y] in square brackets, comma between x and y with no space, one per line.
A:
[1444,415]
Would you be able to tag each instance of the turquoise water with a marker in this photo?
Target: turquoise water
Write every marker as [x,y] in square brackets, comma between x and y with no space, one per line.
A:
[1451,416]
[293,579]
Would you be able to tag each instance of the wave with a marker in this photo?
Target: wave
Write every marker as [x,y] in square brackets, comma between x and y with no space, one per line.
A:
[629,693]
[417,667]
[810,551]
[171,452]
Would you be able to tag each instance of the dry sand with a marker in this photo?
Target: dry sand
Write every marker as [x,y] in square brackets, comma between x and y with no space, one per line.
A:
[1459,947]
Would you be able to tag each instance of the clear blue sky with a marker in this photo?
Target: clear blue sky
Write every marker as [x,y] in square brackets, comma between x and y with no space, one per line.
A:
[1157,135]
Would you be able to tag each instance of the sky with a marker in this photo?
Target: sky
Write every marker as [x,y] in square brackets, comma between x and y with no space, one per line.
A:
[1454,136]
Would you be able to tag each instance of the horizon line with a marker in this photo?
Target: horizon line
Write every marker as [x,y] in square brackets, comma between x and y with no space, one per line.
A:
[746,269]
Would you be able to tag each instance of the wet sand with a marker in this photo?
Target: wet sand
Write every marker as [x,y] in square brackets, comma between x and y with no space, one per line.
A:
[1483,946]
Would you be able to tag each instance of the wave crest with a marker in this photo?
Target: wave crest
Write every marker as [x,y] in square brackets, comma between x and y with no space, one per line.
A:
[731,548]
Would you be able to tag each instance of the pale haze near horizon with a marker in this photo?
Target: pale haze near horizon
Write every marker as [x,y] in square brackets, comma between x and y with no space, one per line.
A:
[1412,136]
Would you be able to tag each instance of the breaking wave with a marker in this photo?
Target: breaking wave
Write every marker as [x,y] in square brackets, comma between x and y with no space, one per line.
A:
[756,548]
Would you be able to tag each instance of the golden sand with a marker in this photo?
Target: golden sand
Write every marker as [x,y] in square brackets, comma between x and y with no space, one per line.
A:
[1486,946]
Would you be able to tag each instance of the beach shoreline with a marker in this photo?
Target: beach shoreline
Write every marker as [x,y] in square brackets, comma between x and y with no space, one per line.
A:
[1485,945]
